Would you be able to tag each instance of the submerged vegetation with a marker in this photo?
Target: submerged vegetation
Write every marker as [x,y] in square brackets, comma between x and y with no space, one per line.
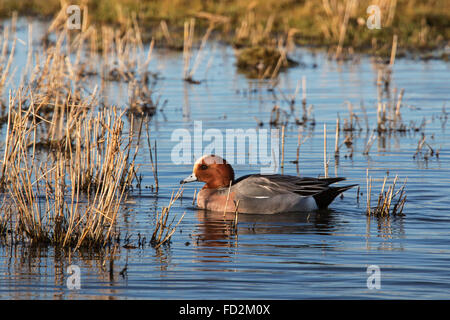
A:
[263,62]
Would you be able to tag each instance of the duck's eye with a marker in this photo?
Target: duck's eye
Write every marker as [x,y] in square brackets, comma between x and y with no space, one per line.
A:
[204,167]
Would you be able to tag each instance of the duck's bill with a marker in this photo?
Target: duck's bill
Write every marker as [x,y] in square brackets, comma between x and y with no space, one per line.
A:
[191,178]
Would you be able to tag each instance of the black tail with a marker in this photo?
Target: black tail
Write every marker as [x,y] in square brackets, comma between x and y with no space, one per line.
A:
[324,198]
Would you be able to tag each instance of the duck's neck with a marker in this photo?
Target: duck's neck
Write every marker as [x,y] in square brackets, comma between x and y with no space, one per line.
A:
[218,183]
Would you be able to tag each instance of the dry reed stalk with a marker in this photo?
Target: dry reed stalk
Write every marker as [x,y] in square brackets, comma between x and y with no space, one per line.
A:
[124,51]
[343,30]
[299,143]
[137,32]
[393,51]
[187,45]
[236,214]
[420,145]
[336,141]
[398,116]
[391,13]
[293,97]
[199,55]
[194,197]
[5,69]
[27,68]
[213,18]
[283,129]
[387,203]
[154,163]
[5,42]
[369,144]
[163,232]
[7,145]
[248,31]
[149,55]
[281,60]
[275,115]
[353,121]
[325,158]
[228,197]
[166,33]
[369,192]
[304,92]
[382,121]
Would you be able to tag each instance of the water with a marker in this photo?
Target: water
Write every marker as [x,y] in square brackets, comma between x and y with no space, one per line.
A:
[284,256]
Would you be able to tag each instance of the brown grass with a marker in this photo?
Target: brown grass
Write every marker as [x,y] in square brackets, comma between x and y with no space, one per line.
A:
[72,197]
[390,202]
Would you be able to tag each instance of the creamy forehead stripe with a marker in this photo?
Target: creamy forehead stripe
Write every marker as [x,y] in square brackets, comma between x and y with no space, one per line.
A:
[210,160]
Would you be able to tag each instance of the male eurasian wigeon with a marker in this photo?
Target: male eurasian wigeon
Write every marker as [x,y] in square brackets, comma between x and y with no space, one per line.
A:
[257,193]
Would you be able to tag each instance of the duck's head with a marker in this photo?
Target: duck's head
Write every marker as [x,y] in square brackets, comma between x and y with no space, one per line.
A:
[213,170]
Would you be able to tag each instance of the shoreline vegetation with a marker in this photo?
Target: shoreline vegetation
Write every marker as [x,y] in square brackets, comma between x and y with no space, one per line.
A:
[338,26]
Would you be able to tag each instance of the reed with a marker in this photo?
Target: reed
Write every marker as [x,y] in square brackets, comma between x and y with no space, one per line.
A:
[163,232]
[336,139]
[228,198]
[195,197]
[48,196]
[283,133]
[369,144]
[343,28]
[421,153]
[278,117]
[353,122]
[325,156]
[65,171]
[153,157]
[5,69]
[188,71]
[390,202]
[234,224]
[141,100]
[300,141]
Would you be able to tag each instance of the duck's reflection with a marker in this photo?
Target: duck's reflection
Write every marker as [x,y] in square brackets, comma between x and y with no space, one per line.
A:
[216,230]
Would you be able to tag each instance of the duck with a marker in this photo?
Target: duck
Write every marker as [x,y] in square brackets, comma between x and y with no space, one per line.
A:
[259,193]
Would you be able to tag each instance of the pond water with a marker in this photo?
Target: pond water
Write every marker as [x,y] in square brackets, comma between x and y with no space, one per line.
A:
[284,256]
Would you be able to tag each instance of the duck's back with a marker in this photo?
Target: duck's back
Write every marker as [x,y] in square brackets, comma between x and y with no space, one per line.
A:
[284,193]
